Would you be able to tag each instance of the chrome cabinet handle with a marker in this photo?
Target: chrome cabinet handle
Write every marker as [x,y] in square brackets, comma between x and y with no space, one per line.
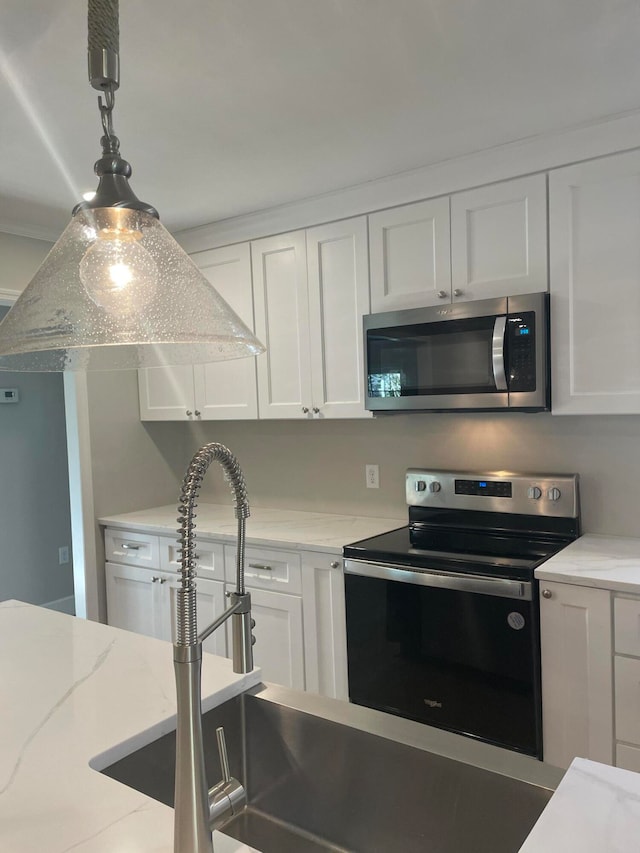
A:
[305,410]
[261,567]
[162,580]
[458,292]
[154,579]
[197,413]
[189,413]
[127,547]
[546,593]
[442,294]
[334,564]
[316,410]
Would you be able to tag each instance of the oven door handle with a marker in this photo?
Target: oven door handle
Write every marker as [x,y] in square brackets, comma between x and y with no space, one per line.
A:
[497,353]
[500,587]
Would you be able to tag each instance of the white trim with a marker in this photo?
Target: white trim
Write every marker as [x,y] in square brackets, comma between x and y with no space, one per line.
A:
[83,531]
[62,605]
[503,162]
[8,297]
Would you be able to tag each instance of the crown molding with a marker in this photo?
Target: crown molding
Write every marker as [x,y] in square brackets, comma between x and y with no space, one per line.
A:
[538,153]
[35,232]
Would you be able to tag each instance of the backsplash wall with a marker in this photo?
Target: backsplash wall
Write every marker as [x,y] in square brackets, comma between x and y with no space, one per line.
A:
[319,465]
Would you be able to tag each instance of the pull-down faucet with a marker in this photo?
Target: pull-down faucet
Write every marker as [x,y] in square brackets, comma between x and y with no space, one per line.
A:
[196,808]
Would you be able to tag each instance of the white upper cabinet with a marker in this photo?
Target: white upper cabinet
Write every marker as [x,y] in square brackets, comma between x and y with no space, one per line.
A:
[594,227]
[282,324]
[220,390]
[228,389]
[410,251]
[499,240]
[338,277]
[480,244]
[311,292]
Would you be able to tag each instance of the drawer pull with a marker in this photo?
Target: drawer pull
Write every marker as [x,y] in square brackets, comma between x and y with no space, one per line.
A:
[127,547]
[546,593]
[154,580]
[334,564]
[261,567]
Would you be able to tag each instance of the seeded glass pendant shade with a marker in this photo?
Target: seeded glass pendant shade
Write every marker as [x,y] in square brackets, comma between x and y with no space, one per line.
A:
[117,291]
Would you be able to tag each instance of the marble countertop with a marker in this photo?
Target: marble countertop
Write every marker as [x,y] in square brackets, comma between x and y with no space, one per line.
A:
[595,809]
[317,531]
[607,562]
[78,694]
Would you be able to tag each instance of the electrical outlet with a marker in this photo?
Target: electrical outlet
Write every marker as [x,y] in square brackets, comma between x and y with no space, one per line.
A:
[372,474]
[63,555]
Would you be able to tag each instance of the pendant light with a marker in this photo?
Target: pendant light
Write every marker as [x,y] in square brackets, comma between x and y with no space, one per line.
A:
[117,291]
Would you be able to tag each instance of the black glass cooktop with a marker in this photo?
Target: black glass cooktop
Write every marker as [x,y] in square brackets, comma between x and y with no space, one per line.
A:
[513,556]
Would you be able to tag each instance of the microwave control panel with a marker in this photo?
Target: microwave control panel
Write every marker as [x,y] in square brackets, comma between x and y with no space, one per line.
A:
[521,351]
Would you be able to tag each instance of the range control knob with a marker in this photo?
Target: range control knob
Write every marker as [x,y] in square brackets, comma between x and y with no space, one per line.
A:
[434,486]
[534,492]
[554,494]
[420,485]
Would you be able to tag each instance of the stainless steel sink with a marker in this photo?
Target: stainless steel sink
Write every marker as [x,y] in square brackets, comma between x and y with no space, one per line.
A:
[315,784]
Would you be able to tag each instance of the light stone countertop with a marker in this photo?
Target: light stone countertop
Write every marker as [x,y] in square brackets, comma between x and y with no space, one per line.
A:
[315,531]
[607,562]
[595,809]
[76,693]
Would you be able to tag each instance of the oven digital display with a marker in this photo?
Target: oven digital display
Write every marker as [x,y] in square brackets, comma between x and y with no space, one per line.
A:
[493,489]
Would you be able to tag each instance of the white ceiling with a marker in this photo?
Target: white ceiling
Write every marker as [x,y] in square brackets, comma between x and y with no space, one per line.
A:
[231,106]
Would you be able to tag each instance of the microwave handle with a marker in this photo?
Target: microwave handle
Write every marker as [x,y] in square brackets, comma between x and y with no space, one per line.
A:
[497,353]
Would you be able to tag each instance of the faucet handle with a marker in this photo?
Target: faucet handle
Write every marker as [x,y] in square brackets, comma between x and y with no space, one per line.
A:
[222,752]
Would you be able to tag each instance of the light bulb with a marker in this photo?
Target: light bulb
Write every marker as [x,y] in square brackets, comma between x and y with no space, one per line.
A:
[117,271]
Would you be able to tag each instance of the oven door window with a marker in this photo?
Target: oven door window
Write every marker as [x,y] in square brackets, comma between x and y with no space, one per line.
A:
[461,661]
[449,357]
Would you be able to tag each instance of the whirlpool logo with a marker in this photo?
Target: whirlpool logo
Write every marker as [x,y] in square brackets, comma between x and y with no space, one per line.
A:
[432,703]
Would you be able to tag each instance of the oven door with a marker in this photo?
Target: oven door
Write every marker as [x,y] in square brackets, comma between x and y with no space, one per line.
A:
[458,652]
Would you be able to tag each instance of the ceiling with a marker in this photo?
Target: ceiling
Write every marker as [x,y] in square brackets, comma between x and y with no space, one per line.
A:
[232,106]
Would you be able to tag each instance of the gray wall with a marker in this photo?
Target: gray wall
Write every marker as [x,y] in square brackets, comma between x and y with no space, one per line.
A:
[34,489]
[319,465]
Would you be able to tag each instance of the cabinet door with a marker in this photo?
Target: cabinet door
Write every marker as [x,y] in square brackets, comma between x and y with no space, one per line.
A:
[577,687]
[210,603]
[410,256]
[167,393]
[325,635]
[279,641]
[594,220]
[338,275]
[228,389]
[133,599]
[499,240]
[282,325]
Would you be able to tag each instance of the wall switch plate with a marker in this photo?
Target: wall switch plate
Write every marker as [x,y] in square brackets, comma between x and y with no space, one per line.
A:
[372,473]
[63,555]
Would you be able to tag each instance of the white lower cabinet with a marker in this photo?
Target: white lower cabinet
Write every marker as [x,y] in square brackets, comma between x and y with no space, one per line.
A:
[325,635]
[577,678]
[143,600]
[297,602]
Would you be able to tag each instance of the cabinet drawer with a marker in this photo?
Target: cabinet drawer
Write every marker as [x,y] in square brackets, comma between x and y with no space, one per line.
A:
[135,549]
[266,569]
[627,626]
[627,681]
[210,557]
[628,757]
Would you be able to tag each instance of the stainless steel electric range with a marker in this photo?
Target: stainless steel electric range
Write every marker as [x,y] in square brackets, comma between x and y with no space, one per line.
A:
[443,614]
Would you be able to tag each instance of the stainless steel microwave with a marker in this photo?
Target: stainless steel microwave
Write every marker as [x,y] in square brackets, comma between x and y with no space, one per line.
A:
[488,355]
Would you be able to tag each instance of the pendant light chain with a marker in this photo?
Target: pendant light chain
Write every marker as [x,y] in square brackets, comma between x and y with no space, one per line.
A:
[104,41]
